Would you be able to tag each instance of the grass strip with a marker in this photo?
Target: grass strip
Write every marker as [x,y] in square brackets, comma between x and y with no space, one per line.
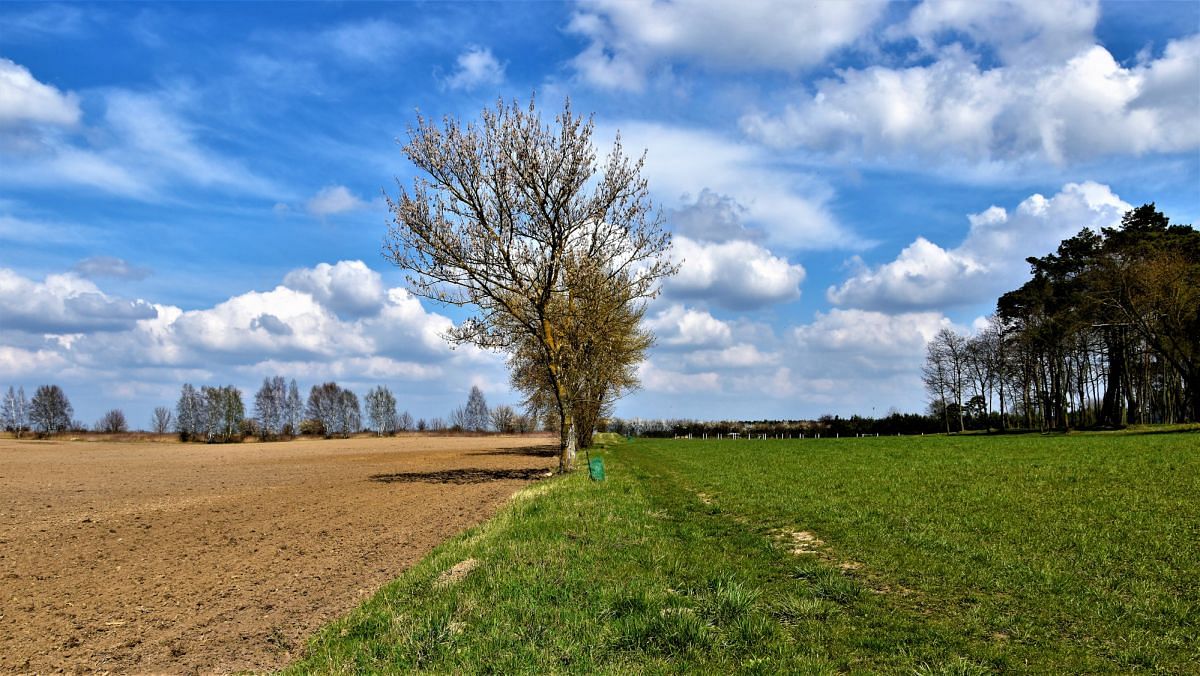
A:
[929,556]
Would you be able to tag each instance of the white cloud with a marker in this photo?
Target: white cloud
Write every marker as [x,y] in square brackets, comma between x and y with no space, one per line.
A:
[990,259]
[334,199]
[628,37]
[735,274]
[371,40]
[64,303]
[477,67]
[1022,31]
[787,206]
[110,266]
[953,112]
[315,317]
[349,288]
[25,100]
[656,379]
[16,362]
[156,136]
[678,326]
[712,217]
[742,355]
[141,146]
[867,338]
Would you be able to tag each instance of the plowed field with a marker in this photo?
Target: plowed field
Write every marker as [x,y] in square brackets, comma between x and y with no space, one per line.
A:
[152,557]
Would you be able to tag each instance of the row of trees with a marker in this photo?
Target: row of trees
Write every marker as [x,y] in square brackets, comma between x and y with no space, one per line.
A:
[1105,333]
[556,252]
[49,411]
[218,414]
[827,426]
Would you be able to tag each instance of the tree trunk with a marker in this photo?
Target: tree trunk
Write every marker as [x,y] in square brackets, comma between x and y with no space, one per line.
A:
[1111,413]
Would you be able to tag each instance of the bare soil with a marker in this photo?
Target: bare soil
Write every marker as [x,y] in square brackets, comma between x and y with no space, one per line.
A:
[168,557]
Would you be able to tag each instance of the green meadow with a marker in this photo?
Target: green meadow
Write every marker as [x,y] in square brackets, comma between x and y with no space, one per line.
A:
[927,555]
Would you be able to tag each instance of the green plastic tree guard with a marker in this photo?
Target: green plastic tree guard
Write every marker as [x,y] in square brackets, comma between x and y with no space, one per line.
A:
[596,469]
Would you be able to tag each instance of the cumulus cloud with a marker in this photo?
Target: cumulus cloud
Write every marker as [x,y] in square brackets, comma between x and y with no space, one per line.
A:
[954,111]
[841,361]
[1021,31]
[477,67]
[25,100]
[67,329]
[679,326]
[349,288]
[736,275]
[989,260]
[64,303]
[333,199]
[16,362]
[712,217]
[110,266]
[657,379]
[788,207]
[742,355]
[628,38]
[875,340]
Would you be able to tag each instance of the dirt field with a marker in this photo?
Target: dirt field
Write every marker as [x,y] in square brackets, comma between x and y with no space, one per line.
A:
[152,557]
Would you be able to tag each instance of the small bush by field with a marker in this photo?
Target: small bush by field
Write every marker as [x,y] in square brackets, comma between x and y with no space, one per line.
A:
[914,555]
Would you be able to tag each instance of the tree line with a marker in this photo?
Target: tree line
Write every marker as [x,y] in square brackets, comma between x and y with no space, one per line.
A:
[218,414]
[1105,333]
[827,426]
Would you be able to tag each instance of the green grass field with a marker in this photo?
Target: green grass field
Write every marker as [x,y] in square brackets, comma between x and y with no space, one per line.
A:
[930,555]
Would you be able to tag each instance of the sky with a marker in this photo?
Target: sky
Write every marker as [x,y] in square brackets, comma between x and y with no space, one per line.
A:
[195,192]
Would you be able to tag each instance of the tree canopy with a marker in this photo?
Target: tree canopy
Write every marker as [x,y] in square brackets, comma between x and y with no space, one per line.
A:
[508,210]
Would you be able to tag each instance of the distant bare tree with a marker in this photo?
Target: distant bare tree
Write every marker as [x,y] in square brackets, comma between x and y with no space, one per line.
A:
[270,407]
[458,419]
[14,415]
[50,411]
[160,422]
[293,409]
[189,413]
[381,411]
[476,413]
[404,422]
[334,409]
[504,419]
[422,425]
[222,413]
[113,422]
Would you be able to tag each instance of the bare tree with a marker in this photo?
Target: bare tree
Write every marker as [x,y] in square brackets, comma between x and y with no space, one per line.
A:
[14,414]
[189,413]
[458,419]
[422,425]
[292,410]
[503,419]
[221,413]
[503,206]
[161,420]
[404,422]
[270,407]
[335,410]
[381,411]
[477,417]
[113,422]
[50,411]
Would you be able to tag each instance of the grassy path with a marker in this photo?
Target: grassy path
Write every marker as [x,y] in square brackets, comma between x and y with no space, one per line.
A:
[930,555]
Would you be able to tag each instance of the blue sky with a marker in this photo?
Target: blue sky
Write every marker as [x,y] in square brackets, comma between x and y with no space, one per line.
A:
[193,192]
